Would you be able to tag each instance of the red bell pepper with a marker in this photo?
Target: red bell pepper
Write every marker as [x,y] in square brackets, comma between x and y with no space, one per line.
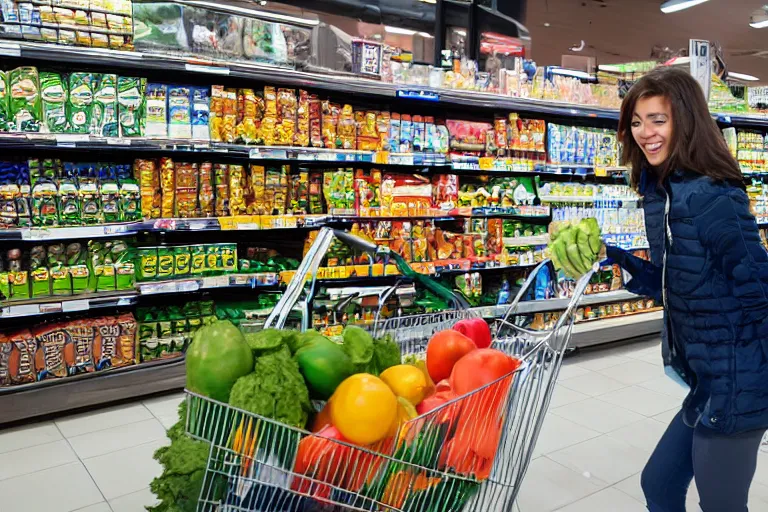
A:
[321,458]
[475,329]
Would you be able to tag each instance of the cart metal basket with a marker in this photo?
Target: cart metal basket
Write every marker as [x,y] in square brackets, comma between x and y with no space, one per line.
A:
[469,454]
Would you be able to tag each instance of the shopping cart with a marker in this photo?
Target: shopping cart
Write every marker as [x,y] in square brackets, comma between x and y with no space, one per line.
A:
[469,454]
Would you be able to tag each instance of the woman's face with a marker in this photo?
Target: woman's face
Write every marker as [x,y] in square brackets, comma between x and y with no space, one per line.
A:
[652,128]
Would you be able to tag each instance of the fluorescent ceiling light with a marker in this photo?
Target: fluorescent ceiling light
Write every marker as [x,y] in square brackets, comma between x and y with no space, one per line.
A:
[571,72]
[679,5]
[742,76]
[759,21]
[611,68]
[425,34]
[462,33]
[398,30]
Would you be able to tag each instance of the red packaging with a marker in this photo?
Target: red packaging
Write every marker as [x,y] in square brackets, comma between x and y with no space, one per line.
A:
[50,342]
[21,357]
[467,137]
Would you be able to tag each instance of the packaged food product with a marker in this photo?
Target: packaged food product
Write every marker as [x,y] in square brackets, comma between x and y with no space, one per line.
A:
[221,182]
[339,191]
[182,261]
[419,134]
[77,257]
[167,188]
[200,112]
[315,121]
[206,194]
[315,193]
[237,186]
[127,344]
[347,129]
[109,192]
[179,112]
[255,203]
[268,127]
[467,137]
[431,141]
[40,278]
[44,195]
[104,116]
[383,129]
[276,190]
[330,120]
[130,200]
[165,262]
[406,134]
[50,341]
[147,264]
[21,360]
[368,133]
[80,103]
[157,110]
[149,188]
[25,109]
[367,192]
[131,106]
[186,195]
[249,119]
[198,259]
[216,113]
[286,116]
[229,116]
[54,95]
[78,350]
[302,124]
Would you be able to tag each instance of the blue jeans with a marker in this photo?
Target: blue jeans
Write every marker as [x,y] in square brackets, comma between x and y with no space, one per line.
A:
[722,465]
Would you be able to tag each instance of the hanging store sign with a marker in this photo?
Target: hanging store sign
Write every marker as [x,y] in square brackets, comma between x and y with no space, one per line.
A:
[701,64]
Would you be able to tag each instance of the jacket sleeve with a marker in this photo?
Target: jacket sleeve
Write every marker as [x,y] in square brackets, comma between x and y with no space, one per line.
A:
[646,277]
[730,234]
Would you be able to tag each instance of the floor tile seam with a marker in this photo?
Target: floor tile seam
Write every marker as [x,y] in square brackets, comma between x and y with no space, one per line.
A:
[129,422]
[77,461]
[82,463]
[122,450]
[129,493]
[591,396]
[91,505]
[626,493]
[601,484]
[597,434]
[33,446]
[629,410]
[165,433]
[624,386]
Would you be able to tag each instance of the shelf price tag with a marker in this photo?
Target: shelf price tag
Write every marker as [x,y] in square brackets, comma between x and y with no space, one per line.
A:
[115,229]
[198,68]
[75,305]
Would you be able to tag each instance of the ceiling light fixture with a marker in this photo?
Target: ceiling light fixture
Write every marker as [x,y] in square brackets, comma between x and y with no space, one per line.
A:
[611,68]
[742,76]
[578,48]
[398,30]
[462,33]
[759,19]
[679,5]
[425,34]
[264,15]
[571,72]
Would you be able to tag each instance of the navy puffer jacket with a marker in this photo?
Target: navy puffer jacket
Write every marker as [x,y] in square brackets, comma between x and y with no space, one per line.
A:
[716,300]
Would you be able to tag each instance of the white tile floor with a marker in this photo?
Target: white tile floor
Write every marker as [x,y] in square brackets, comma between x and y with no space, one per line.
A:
[609,409]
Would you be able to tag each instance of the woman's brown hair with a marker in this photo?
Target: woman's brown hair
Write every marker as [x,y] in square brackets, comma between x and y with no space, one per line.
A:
[697,144]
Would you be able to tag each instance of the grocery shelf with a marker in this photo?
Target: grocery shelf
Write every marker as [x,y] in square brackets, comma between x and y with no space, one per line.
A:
[281,75]
[19,403]
[547,305]
[609,330]
[69,304]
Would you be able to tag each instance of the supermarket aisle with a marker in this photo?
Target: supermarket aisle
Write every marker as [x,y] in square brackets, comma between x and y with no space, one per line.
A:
[609,409]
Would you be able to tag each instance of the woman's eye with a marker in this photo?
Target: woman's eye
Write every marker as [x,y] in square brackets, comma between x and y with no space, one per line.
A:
[659,122]
[636,124]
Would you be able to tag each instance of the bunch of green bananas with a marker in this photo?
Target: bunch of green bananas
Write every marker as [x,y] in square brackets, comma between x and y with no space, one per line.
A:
[574,248]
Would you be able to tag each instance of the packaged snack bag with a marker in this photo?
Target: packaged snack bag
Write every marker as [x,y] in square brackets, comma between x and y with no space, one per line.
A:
[128,328]
[315,121]
[302,125]
[257,187]
[406,134]
[201,98]
[216,113]
[80,104]
[419,134]
[431,142]
[198,259]
[367,192]
[186,189]
[78,350]
[221,183]
[110,200]
[165,262]
[276,190]
[206,194]
[25,109]
[50,341]
[6,349]
[229,117]
[182,261]
[179,112]
[383,128]
[157,110]
[106,342]
[236,189]
[105,116]
[286,116]
[39,275]
[53,91]
[248,117]
[130,200]
[394,133]
[368,133]
[147,263]
[268,127]
[167,188]
[149,187]
[316,192]
[330,120]
[44,195]
[131,106]
[299,197]
[21,360]
[347,129]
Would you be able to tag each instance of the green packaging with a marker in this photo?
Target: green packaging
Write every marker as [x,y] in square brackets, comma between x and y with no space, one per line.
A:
[90,204]
[131,106]
[5,124]
[53,91]
[69,202]
[198,259]
[19,284]
[129,200]
[76,259]
[109,196]
[228,257]
[5,286]
[101,260]
[165,262]
[104,118]
[61,280]
[45,210]
[182,265]
[213,259]
[125,270]
[24,109]
[80,103]
[147,264]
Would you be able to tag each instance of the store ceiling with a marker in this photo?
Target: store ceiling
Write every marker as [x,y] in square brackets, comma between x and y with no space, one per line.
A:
[627,30]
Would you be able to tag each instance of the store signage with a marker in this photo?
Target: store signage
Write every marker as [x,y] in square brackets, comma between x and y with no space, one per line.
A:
[701,63]
[418,94]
